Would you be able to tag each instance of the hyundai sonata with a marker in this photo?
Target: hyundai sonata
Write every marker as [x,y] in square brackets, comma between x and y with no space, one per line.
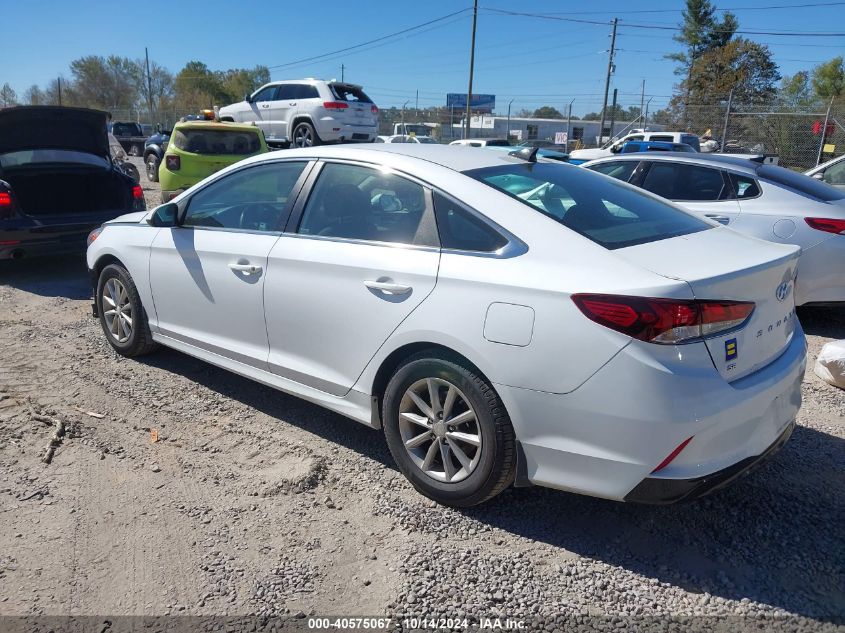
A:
[503,321]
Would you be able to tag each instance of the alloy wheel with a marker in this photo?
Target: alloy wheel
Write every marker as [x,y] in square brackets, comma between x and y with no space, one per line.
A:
[440,430]
[302,137]
[117,310]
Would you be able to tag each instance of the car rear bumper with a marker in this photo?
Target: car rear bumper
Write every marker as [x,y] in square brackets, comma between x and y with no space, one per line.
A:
[820,278]
[608,435]
[24,243]
[332,131]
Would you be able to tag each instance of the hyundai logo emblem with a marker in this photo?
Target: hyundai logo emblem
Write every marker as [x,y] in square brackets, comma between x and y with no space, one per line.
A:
[783,290]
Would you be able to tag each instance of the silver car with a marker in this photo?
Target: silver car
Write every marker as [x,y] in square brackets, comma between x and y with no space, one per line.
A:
[765,201]
[832,172]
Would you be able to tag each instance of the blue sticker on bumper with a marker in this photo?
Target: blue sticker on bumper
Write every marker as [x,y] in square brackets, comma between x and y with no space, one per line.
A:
[730,349]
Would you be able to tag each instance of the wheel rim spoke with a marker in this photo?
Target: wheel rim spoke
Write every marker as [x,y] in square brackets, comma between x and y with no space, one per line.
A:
[430,455]
[448,466]
[434,397]
[466,462]
[466,416]
[467,438]
[421,405]
[419,440]
[451,394]
[419,420]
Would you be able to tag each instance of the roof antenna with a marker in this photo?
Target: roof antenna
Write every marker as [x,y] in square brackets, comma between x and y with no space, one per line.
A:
[526,153]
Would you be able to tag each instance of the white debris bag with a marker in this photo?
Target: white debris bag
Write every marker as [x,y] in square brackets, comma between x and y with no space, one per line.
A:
[830,365]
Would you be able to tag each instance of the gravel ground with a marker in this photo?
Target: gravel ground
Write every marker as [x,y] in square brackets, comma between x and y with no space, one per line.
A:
[178,488]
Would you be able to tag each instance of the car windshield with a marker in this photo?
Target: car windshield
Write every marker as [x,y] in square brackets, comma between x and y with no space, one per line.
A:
[801,183]
[346,92]
[207,141]
[34,156]
[602,210]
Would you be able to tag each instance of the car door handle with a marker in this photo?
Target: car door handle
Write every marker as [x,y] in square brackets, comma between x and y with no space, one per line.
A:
[388,287]
[265,106]
[723,219]
[292,103]
[247,269]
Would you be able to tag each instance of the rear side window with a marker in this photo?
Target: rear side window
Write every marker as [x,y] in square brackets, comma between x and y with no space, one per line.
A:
[621,170]
[304,91]
[217,142]
[676,181]
[658,137]
[800,183]
[347,92]
[604,211]
[462,230]
[744,187]
[692,141]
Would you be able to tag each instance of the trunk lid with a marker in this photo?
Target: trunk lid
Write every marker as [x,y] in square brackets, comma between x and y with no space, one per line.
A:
[723,265]
[54,127]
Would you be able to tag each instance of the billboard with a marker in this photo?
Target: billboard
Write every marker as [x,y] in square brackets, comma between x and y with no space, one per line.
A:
[479,103]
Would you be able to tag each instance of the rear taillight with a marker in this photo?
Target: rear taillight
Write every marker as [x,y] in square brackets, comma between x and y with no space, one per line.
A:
[664,321]
[374,109]
[828,225]
[335,105]
[137,192]
[172,162]
[7,209]
[5,199]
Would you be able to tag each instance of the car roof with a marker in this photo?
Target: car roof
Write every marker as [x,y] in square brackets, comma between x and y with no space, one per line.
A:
[455,157]
[718,160]
[216,125]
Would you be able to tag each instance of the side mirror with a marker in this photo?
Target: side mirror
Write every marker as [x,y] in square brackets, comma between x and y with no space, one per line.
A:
[167,215]
[616,148]
[248,98]
[819,175]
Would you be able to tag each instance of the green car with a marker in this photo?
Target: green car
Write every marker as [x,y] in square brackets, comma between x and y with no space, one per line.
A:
[197,149]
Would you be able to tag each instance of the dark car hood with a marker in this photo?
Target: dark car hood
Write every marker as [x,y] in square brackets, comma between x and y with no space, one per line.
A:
[53,127]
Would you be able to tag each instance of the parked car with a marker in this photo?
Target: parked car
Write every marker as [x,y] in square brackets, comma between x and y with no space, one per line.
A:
[832,172]
[409,138]
[154,148]
[197,149]
[308,112]
[516,321]
[757,199]
[57,180]
[631,147]
[130,136]
[578,156]
[539,143]
[482,142]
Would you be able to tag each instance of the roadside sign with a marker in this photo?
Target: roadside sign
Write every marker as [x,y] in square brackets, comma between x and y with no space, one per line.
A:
[479,103]
[561,138]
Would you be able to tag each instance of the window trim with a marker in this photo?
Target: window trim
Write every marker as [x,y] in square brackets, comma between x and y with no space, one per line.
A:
[428,222]
[296,191]
[735,197]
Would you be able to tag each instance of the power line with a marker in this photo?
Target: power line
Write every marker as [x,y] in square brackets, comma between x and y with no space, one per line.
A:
[777,6]
[373,41]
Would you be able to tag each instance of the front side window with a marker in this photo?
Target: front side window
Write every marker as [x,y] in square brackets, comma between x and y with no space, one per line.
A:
[216,141]
[677,181]
[621,169]
[462,230]
[251,199]
[266,94]
[604,211]
[355,202]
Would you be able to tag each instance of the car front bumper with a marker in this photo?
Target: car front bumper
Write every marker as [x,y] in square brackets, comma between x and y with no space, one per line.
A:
[607,436]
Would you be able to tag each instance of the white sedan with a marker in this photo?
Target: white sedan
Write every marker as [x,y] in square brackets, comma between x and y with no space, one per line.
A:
[502,321]
[756,199]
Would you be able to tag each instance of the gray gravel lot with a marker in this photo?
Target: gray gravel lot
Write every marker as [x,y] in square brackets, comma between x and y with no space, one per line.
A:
[254,502]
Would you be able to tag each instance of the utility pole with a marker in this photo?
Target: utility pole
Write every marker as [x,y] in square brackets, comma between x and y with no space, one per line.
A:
[149,85]
[824,132]
[613,112]
[59,82]
[471,66]
[642,103]
[342,72]
[727,115]
[417,102]
[404,129]
[509,119]
[568,122]
[607,81]
[645,119]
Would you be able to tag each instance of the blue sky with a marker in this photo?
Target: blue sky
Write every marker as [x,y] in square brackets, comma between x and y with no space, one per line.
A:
[532,61]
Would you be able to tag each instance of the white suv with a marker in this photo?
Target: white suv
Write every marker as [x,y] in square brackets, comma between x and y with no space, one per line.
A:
[307,112]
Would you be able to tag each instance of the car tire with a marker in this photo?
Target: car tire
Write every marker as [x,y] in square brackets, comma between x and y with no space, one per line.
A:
[304,135]
[122,317]
[152,164]
[484,437]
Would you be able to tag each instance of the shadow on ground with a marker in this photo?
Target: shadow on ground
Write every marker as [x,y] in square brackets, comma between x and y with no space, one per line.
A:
[771,537]
[65,276]
[828,322]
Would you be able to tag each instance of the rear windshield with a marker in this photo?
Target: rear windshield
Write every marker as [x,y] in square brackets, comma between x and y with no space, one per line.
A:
[606,212]
[346,92]
[801,183]
[48,156]
[237,143]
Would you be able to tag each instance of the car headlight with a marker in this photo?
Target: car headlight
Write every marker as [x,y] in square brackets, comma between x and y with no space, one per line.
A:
[93,235]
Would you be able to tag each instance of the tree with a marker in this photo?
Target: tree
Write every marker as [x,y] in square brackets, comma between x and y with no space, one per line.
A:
[701,32]
[237,82]
[547,112]
[159,88]
[34,95]
[8,97]
[524,114]
[829,79]
[795,92]
[107,83]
